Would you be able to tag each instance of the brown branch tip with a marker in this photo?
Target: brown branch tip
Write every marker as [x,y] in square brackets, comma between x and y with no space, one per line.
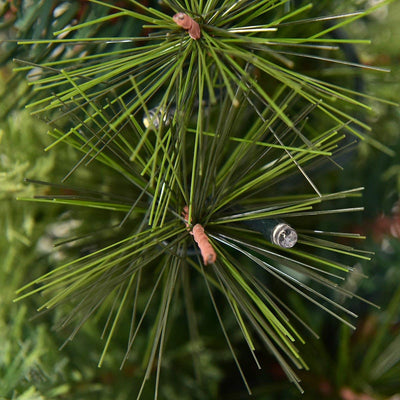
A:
[207,251]
[188,24]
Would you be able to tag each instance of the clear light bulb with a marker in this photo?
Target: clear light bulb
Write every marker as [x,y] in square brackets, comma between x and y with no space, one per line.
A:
[284,235]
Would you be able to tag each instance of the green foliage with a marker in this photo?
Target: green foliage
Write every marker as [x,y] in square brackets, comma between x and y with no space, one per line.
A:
[364,362]
[234,126]
[39,19]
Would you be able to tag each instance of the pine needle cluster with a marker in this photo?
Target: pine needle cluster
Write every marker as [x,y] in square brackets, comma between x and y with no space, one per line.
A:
[227,131]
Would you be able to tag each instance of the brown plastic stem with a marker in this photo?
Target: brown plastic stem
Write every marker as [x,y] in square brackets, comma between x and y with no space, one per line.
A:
[189,24]
[207,251]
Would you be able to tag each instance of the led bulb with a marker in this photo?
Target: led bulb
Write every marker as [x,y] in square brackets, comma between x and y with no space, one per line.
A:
[155,115]
[284,235]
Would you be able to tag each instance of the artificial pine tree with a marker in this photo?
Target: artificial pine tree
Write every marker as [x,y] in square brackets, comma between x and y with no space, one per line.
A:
[192,202]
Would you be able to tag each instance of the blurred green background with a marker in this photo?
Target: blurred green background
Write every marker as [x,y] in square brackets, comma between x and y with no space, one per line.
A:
[343,365]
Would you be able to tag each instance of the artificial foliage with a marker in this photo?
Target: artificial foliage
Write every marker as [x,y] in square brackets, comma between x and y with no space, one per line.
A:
[180,135]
